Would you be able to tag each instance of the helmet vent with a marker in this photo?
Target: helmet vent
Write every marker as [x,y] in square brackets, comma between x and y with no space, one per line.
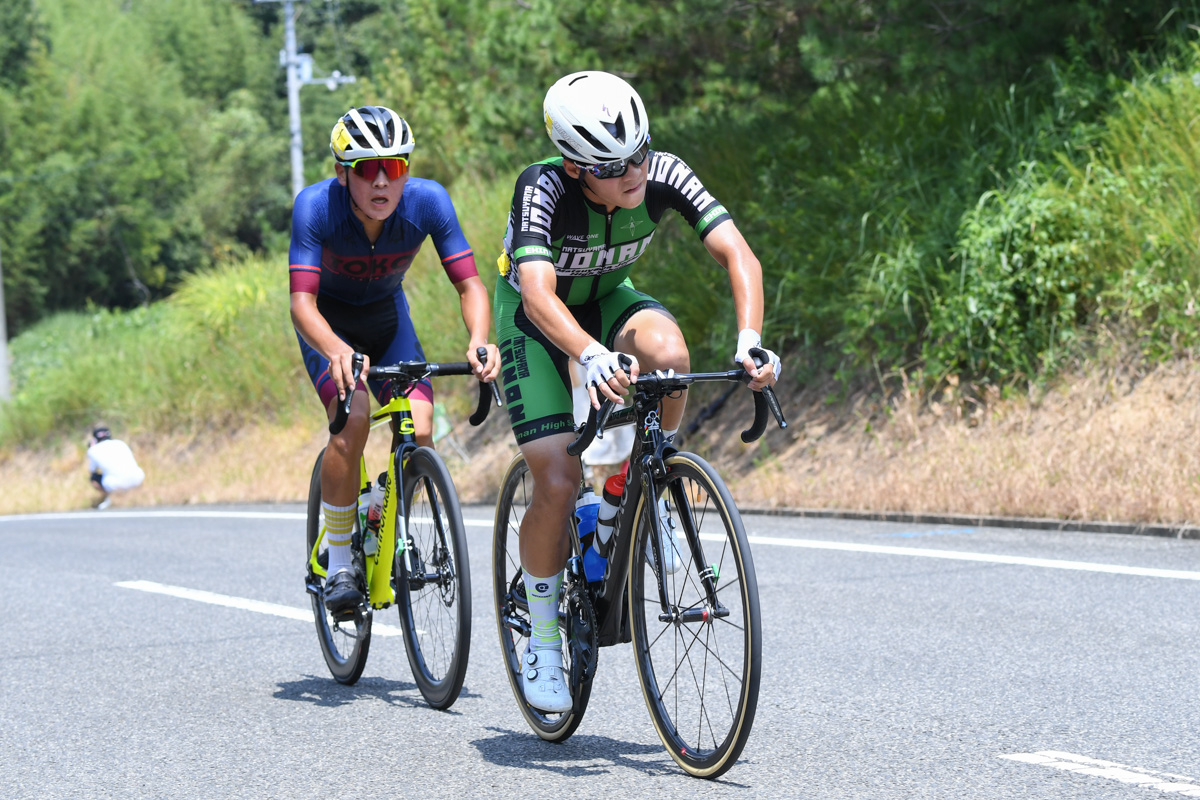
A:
[592,140]
[571,151]
[617,129]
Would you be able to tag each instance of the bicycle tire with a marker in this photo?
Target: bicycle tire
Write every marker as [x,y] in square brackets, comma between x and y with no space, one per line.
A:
[717,658]
[345,644]
[434,601]
[512,611]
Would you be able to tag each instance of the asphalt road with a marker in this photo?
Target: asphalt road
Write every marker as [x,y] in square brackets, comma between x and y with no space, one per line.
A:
[900,662]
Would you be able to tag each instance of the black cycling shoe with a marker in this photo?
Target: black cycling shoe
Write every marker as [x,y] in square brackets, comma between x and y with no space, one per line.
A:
[342,594]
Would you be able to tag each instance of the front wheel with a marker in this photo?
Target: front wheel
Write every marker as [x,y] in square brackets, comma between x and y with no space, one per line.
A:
[433,580]
[699,659]
[345,643]
[576,622]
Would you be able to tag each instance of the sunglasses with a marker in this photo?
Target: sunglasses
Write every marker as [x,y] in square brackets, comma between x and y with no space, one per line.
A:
[368,168]
[615,169]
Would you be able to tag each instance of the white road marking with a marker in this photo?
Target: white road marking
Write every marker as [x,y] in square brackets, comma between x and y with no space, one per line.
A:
[773,541]
[954,555]
[1083,765]
[181,514]
[274,609]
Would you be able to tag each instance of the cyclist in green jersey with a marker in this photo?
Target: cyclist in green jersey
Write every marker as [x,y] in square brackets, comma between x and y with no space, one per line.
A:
[577,224]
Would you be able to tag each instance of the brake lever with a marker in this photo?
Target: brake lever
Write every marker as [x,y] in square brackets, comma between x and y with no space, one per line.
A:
[763,399]
[343,412]
[485,396]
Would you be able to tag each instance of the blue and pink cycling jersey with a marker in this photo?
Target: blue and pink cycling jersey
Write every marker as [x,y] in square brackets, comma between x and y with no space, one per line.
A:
[359,285]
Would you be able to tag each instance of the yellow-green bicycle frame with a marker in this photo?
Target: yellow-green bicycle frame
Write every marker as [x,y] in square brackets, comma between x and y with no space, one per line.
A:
[380,593]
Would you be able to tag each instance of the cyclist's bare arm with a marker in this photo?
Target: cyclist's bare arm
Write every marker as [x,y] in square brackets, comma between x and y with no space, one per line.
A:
[477,316]
[552,317]
[729,248]
[316,331]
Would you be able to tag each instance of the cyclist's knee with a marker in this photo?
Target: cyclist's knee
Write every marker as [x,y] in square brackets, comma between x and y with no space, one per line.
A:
[555,477]
[657,347]
[674,355]
[352,439]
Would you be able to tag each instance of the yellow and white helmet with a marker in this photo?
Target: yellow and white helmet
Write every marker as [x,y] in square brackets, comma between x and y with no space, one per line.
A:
[370,132]
[594,117]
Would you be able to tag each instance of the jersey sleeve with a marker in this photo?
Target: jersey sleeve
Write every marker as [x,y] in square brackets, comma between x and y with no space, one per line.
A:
[448,239]
[672,183]
[536,198]
[310,216]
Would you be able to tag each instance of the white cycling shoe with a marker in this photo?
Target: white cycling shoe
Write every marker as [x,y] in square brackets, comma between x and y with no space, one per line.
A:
[672,557]
[543,681]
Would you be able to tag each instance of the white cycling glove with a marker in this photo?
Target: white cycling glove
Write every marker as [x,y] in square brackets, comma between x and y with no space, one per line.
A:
[601,363]
[748,339]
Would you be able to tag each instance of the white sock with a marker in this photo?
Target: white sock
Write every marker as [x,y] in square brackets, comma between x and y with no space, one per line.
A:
[339,529]
[671,433]
[542,594]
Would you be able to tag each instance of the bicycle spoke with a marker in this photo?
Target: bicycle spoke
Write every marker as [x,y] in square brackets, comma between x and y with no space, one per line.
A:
[695,636]
[702,683]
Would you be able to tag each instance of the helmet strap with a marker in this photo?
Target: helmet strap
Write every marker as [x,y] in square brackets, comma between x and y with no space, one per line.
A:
[590,192]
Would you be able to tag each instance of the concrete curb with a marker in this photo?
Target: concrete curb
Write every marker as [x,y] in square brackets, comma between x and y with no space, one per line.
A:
[1035,523]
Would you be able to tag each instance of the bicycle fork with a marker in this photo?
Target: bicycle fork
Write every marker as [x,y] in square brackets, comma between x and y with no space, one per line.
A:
[654,469]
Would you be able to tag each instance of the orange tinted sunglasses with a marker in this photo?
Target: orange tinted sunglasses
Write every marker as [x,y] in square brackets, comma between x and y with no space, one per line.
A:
[368,168]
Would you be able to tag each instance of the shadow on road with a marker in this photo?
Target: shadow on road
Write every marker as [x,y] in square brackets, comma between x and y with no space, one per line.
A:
[326,692]
[579,756]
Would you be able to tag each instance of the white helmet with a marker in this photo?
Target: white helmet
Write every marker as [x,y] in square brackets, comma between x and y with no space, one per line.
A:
[594,117]
[370,132]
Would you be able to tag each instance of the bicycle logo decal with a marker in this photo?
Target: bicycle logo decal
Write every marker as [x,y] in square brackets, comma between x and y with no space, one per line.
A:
[651,423]
[408,426]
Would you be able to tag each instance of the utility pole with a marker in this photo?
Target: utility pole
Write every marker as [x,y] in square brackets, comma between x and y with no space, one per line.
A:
[299,73]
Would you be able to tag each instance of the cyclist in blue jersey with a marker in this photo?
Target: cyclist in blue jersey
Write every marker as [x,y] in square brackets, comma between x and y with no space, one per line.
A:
[354,237]
[578,223]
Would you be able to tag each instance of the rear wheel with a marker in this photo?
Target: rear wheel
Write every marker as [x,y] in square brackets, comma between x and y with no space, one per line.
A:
[700,659]
[435,611]
[576,621]
[344,643]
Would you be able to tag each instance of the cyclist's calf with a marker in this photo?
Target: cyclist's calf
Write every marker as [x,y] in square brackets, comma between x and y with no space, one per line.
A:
[556,476]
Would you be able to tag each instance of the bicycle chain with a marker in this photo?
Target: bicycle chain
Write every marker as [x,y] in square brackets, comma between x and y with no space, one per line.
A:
[582,634]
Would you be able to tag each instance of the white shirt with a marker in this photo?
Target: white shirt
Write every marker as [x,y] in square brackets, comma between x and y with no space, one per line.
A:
[118,469]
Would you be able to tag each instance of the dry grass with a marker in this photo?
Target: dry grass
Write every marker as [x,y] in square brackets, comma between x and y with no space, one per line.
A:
[1103,447]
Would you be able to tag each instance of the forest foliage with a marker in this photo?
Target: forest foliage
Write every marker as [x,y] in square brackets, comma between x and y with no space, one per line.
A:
[984,188]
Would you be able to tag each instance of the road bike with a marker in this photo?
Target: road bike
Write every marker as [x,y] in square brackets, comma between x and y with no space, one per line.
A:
[696,632]
[417,558]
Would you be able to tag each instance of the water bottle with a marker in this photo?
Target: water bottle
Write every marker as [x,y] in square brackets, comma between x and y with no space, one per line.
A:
[375,507]
[606,516]
[370,509]
[364,504]
[585,520]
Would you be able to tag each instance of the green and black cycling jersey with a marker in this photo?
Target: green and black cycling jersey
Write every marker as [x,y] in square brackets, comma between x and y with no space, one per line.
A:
[592,250]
